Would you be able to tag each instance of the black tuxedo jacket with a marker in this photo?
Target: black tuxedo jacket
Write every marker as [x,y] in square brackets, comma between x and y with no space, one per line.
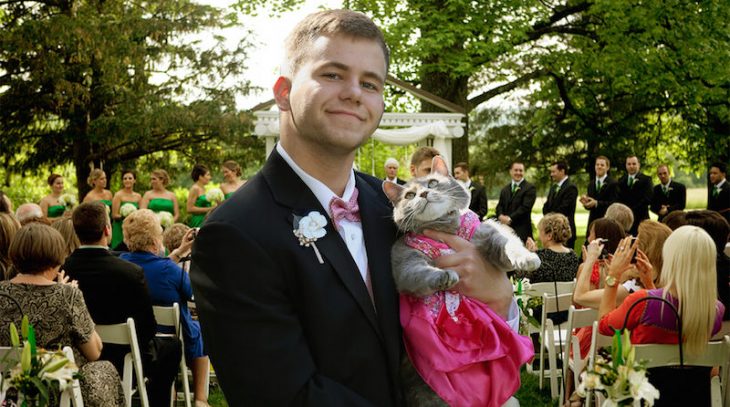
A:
[281,328]
[721,202]
[564,202]
[604,198]
[114,290]
[637,197]
[518,207]
[479,203]
[675,199]
[397,181]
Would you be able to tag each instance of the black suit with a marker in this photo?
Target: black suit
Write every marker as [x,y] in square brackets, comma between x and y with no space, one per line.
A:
[518,206]
[479,203]
[563,201]
[721,202]
[675,198]
[281,328]
[637,197]
[397,181]
[604,198]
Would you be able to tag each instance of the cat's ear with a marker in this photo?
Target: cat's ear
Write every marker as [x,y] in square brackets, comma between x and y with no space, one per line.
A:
[438,166]
[392,191]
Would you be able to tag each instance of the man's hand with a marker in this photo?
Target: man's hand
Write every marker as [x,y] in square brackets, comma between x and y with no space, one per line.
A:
[589,203]
[477,279]
[504,219]
[664,210]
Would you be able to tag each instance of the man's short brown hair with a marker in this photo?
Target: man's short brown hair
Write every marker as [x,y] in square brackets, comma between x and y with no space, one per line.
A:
[423,153]
[464,166]
[36,248]
[329,23]
[604,158]
[89,220]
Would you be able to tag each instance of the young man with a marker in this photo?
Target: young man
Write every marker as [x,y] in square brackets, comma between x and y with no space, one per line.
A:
[602,191]
[292,275]
[562,197]
[421,161]
[718,194]
[516,201]
[479,203]
[669,195]
[391,171]
[635,191]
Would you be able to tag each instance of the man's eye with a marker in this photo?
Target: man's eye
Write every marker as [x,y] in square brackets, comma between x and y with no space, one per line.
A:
[410,195]
[369,86]
[331,75]
[432,183]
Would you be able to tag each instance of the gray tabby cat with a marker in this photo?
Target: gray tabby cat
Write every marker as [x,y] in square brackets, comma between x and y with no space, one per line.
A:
[436,202]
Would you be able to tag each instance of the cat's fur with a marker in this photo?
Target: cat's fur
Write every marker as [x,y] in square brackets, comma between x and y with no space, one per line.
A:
[436,202]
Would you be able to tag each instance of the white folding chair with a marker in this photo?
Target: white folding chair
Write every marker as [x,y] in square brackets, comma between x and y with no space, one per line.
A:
[126,334]
[170,316]
[72,395]
[563,287]
[553,338]
[577,318]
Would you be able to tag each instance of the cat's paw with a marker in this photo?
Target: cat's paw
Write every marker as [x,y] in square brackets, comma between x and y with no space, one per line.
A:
[521,258]
[446,280]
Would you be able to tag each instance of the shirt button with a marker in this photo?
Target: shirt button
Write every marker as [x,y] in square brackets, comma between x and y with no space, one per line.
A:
[352,236]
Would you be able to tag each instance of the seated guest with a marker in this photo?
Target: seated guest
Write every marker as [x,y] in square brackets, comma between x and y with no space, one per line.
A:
[30,212]
[6,205]
[557,262]
[65,227]
[115,290]
[178,241]
[8,228]
[167,284]
[652,236]
[675,219]
[688,281]
[57,311]
[621,214]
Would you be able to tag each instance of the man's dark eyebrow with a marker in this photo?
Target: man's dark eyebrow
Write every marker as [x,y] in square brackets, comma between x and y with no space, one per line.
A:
[344,67]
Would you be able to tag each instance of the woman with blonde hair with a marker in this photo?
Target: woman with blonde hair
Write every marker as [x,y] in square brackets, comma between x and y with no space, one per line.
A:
[688,281]
[65,227]
[557,262]
[159,199]
[97,181]
[9,226]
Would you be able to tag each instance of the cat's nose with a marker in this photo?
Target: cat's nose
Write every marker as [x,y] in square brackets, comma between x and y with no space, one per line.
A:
[424,194]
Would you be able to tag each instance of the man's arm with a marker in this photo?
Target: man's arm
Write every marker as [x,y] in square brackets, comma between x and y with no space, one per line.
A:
[482,202]
[644,193]
[500,210]
[656,206]
[251,328]
[681,194]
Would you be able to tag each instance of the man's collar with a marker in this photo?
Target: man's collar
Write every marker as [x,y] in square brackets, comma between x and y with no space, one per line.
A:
[93,246]
[467,183]
[603,178]
[323,194]
[721,183]
[517,182]
[562,181]
[667,184]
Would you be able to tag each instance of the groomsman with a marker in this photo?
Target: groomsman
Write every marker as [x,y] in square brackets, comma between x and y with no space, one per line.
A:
[562,197]
[421,161]
[602,191]
[516,201]
[479,203]
[391,171]
[635,191]
[718,195]
[669,195]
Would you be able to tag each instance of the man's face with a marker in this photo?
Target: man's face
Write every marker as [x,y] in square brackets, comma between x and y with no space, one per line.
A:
[517,172]
[716,176]
[556,174]
[460,174]
[391,171]
[336,96]
[663,173]
[601,168]
[422,169]
[632,165]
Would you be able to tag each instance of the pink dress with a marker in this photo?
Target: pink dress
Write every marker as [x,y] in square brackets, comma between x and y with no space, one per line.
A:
[465,352]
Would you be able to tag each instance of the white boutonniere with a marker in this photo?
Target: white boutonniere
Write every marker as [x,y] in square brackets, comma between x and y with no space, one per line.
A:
[471,188]
[310,228]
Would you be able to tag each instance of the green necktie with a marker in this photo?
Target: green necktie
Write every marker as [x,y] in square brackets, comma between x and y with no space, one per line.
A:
[715,192]
[514,187]
[631,181]
[665,190]
[598,185]
[555,188]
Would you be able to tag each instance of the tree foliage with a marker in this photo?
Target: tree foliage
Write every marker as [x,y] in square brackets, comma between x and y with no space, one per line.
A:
[101,83]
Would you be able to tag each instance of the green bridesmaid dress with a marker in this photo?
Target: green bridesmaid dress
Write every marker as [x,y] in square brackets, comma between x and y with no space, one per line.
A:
[117,236]
[56,211]
[162,205]
[196,219]
[228,195]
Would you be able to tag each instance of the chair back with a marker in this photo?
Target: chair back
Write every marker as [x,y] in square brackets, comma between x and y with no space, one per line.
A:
[72,395]
[577,318]
[126,334]
[170,316]
[549,287]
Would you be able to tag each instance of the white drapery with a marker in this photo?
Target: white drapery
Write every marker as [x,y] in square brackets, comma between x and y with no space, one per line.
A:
[415,134]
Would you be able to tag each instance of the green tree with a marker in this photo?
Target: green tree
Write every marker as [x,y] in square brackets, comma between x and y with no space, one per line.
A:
[101,83]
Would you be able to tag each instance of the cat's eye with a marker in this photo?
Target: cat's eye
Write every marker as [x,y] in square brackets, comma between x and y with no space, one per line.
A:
[432,183]
[410,195]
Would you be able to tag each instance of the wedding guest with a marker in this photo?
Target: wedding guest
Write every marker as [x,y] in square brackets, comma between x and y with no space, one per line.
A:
[622,214]
[479,203]
[557,262]
[167,284]
[231,178]
[675,219]
[421,161]
[65,227]
[562,197]
[56,310]
[602,191]
[718,194]
[124,196]
[173,238]
[9,226]
[391,171]
[516,200]
[669,195]
[6,205]
[50,204]
[97,182]
[30,212]
[159,199]
[635,191]
[198,205]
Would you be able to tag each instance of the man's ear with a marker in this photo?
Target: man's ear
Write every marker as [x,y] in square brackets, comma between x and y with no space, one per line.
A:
[438,165]
[282,87]
[392,191]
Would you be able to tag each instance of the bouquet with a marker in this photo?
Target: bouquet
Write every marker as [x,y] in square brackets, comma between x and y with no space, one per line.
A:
[619,377]
[215,195]
[68,200]
[40,375]
[166,219]
[527,303]
[127,209]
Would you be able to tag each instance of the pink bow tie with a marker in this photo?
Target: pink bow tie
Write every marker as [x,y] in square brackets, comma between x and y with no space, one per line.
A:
[345,210]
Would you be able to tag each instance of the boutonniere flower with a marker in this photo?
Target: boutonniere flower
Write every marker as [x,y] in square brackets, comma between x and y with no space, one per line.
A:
[471,188]
[517,189]
[310,228]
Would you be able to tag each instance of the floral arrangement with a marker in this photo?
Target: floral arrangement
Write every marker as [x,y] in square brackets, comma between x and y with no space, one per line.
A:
[127,209]
[310,228]
[215,195]
[166,219]
[619,377]
[68,200]
[527,303]
[40,374]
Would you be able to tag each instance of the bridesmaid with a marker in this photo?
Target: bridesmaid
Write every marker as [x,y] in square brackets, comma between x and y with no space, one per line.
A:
[126,195]
[159,199]
[231,178]
[198,204]
[53,209]
[97,181]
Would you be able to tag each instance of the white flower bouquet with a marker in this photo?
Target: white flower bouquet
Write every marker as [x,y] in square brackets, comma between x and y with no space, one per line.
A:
[526,302]
[166,219]
[68,200]
[215,195]
[127,209]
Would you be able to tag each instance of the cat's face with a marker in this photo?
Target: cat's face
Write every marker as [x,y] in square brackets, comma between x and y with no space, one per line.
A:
[434,198]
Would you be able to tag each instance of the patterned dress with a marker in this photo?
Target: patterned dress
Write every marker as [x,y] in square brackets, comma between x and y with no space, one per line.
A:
[60,318]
